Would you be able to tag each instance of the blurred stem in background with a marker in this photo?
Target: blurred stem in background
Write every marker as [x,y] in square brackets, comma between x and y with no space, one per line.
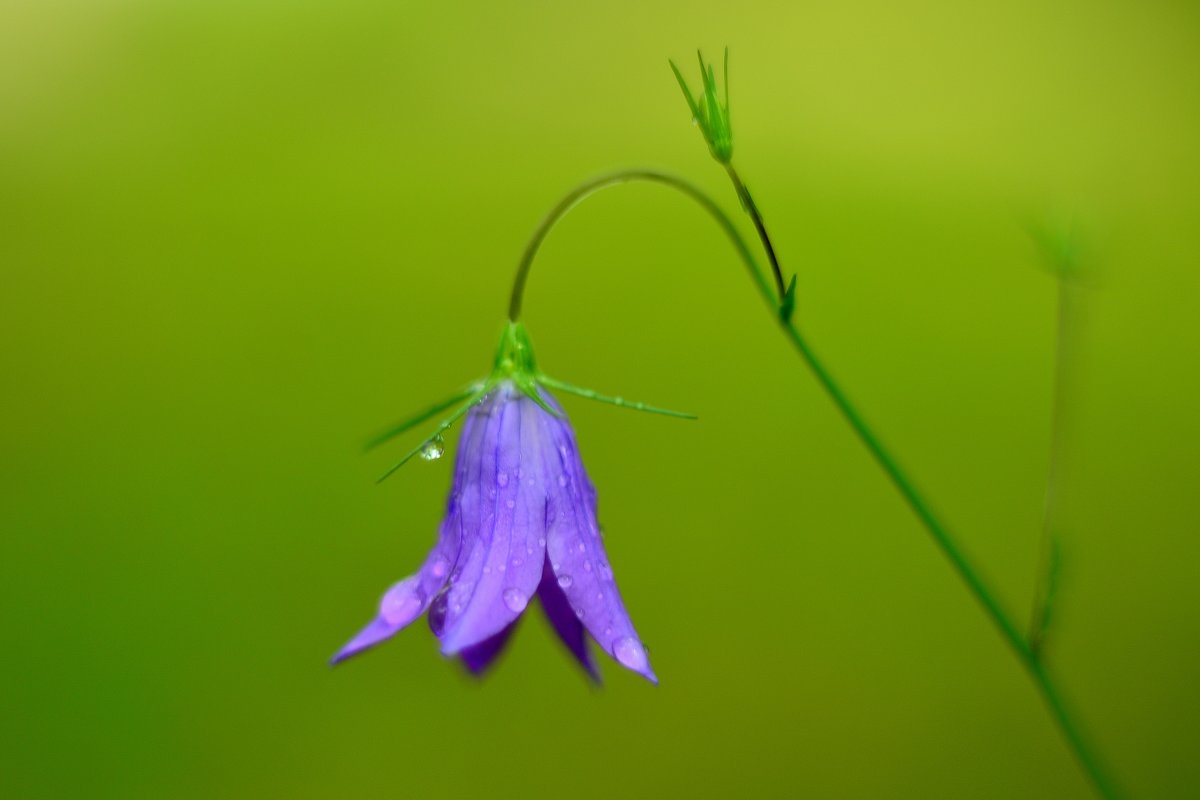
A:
[712,118]
[1061,253]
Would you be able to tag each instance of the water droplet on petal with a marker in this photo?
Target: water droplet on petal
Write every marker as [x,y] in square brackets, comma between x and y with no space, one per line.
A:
[517,562]
[487,570]
[434,448]
[402,603]
[438,570]
[510,504]
[562,480]
[541,542]
[437,612]
[579,613]
[516,600]
[587,566]
[565,581]
[630,653]
[502,479]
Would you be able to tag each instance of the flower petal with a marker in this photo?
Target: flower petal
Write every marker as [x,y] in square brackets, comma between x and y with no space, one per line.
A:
[565,623]
[408,599]
[580,564]
[479,658]
[508,544]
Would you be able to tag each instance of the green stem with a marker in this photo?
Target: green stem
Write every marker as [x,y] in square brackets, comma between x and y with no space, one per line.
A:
[978,587]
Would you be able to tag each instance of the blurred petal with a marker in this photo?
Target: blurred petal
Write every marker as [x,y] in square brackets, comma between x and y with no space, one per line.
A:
[478,658]
[565,623]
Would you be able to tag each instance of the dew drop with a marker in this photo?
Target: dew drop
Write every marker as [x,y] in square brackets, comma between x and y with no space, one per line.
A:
[630,653]
[502,479]
[402,603]
[541,542]
[517,562]
[438,569]
[562,480]
[510,504]
[434,448]
[437,612]
[565,581]
[487,570]
[587,566]
[579,613]
[516,600]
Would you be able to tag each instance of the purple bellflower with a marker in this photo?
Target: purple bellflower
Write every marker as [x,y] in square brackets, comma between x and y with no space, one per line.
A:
[520,523]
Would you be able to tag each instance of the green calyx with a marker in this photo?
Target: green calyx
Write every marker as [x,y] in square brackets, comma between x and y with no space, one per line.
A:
[515,363]
[710,112]
[514,356]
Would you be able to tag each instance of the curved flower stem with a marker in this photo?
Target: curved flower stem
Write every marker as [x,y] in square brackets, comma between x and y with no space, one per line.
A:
[583,190]
[978,587]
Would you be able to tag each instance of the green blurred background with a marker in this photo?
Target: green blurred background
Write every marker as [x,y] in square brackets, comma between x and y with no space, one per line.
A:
[238,237]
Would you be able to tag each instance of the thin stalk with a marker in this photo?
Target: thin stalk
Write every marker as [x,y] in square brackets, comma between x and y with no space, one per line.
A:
[1078,743]
[1048,556]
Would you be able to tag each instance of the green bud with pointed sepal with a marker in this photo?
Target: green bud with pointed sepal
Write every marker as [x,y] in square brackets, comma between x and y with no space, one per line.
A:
[710,111]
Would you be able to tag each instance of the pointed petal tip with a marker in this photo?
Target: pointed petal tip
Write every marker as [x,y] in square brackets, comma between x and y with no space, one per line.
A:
[630,653]
[375,632]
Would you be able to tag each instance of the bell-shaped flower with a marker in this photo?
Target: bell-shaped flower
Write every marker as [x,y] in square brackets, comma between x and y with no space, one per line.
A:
[520,524]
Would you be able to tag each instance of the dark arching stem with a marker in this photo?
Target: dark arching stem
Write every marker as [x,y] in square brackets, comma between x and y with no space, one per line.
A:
[590,187]
[759,225]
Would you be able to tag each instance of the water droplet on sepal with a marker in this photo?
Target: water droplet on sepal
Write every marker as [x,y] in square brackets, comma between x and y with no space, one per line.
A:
[434,448]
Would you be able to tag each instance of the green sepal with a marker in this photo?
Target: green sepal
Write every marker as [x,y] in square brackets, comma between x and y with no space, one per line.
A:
[615,401]
[709,111]
[412,422]
[442,427]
